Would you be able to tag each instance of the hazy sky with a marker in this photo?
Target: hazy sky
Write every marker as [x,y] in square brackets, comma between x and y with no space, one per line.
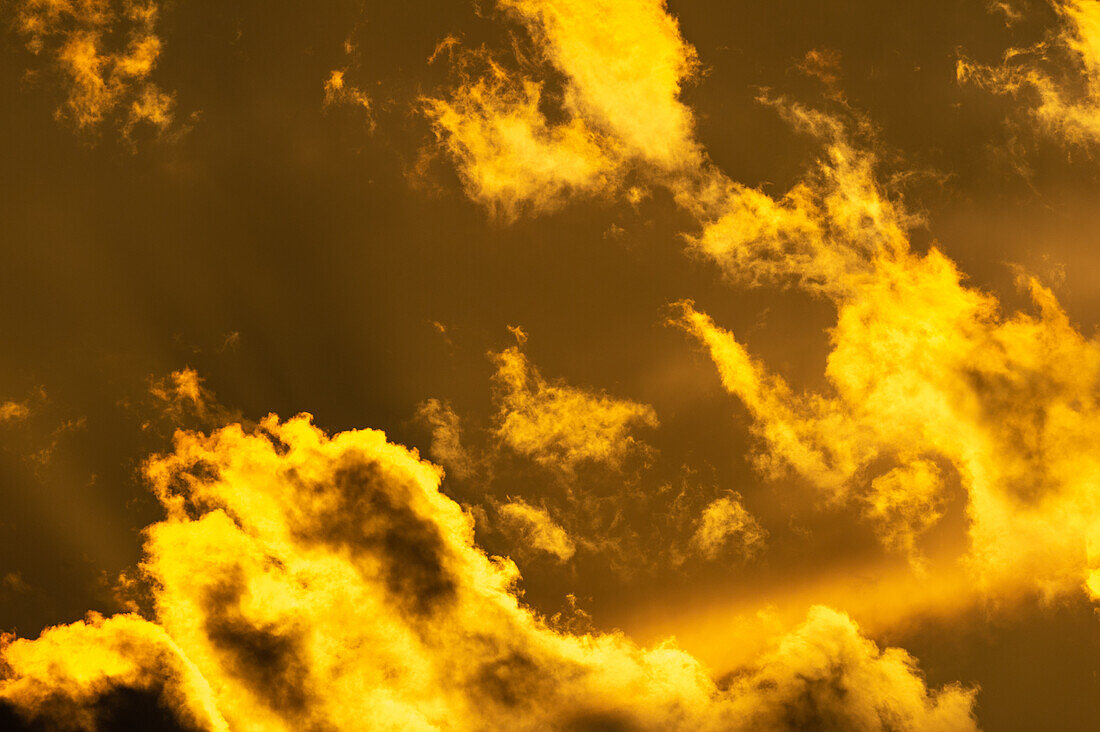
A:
[767,326]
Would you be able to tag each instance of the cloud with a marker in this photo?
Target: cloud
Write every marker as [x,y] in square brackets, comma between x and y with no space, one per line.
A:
[725,522]
[621,66]
[180,398]
[926,373]
[446,447]
[536,529]
[12,411]
[307,581]
[338,91]
[1057,79]
[104,52]
[924,368]
[59,677]
[562,426]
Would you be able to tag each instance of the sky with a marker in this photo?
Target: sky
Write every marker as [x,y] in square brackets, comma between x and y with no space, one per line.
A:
[549,364]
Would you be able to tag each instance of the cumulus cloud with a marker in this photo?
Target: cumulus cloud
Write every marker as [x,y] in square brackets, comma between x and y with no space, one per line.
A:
[562,426]
[303,581]
[104,53]
[1058,79]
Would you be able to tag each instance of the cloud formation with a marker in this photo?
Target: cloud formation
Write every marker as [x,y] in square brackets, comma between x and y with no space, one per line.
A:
[725,522]
[562,426]
[620,67]
[926,374]
[536,529]
[1058,79]
[304,581]
[104,53]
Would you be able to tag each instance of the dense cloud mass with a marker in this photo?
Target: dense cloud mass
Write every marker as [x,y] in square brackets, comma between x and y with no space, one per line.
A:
[308,582]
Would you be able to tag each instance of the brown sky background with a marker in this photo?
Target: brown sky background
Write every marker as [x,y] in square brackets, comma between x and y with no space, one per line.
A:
[325,258]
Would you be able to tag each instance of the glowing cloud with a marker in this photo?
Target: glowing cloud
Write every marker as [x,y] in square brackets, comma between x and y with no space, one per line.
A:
[562,426]
[446,447]
[1037,74]
[623,63]
[105,53]
[12,411]
[536,529]
[302,581]
[725,522]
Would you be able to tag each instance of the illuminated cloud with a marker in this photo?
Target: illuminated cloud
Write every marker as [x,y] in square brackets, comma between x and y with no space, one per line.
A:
[59,677]
[562,426]
[1058,79]
[338,91]
[925,373]
[510,157]
[446,448]
[623,65]
[181,398]
[536,529]
[923,367]
[726,523]
[12,411]
[104,53]
[303,581]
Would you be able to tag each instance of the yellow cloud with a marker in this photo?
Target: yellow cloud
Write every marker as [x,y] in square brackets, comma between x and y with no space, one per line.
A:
[623,62]
[923,367]
[338,91]
[446,447]
[924,372]
[1070,111]
[536,529]
[105,53]
[12,411]
[306,581]
[724,522]
[562,426]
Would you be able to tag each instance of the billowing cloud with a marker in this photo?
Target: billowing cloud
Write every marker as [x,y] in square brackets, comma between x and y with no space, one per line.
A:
[726,523]
[104,53]
[1057,79]
[563,426]
[303,581]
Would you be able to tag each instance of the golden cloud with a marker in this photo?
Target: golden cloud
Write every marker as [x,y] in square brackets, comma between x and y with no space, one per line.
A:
[562,426]
[925,372]
[105,53]
[1068,110]
[307,581]
[725,522]
[536,529]
[623,65]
